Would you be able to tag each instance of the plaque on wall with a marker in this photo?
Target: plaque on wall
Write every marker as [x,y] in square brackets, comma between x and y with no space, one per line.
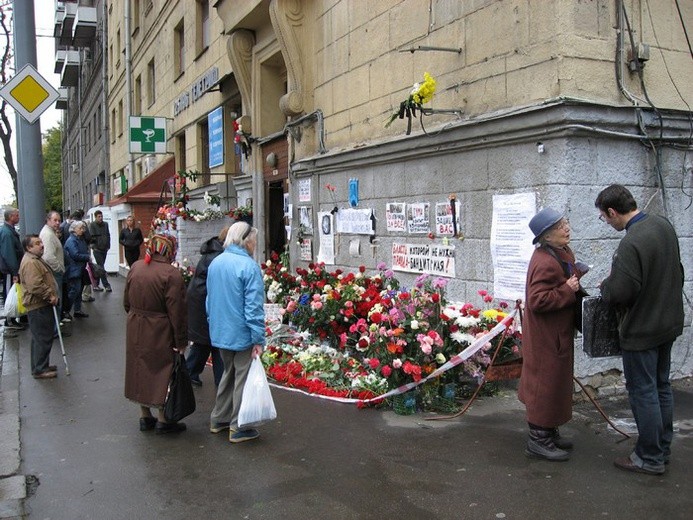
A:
[599,328]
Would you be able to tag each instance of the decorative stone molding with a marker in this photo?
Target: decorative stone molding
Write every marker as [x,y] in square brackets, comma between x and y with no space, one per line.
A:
[240,50]
[287,18]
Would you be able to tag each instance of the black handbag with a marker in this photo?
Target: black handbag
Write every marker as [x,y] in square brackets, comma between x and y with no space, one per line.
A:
[180,398]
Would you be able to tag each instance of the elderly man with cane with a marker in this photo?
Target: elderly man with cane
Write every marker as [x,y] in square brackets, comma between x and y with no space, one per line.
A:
[40,296]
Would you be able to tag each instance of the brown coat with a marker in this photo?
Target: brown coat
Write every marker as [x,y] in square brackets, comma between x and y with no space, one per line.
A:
[546,385]
[38,282]
[156,323]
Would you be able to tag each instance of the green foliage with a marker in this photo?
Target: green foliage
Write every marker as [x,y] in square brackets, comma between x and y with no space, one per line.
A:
[52,169]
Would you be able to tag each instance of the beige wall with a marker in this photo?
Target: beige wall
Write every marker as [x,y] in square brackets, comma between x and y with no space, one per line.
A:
[514,53]
[153,38]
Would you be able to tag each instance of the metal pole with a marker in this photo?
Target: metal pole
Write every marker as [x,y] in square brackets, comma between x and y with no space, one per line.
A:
[31,196]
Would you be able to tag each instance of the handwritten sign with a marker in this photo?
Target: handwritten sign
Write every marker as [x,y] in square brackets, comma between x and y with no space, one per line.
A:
[435,259]
[417,218]
[304,190]
[444,224]
[511,243]
[306,249]
[394,216]
[355,221]
[326,235]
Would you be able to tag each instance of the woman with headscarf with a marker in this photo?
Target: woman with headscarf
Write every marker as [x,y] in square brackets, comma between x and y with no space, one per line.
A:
[548,331]
[156,330]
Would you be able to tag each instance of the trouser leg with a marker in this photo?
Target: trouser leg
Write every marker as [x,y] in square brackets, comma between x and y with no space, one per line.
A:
[197,357]
[100,257]
[241,363]
[217,365]
[41,325]
[223,406]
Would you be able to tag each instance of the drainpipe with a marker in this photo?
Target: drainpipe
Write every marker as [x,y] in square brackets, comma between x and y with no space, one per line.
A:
[104,102]
[128,83]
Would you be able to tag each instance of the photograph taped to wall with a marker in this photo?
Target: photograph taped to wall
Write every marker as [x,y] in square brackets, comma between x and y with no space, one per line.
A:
[418,220]
[305,219]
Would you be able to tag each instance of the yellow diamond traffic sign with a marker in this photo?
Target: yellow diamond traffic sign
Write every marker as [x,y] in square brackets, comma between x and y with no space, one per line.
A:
[29,93]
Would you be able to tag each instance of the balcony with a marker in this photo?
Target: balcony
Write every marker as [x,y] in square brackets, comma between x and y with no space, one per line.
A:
[61,103]
[70,73]
[59,61]
[67,23]
[59,17]
[84,27]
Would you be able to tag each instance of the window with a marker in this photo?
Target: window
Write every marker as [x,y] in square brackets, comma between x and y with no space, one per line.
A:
[203,27]
[118,49]
[120,118]
[137,98]
[110,59]
[113,125]
[151,82]
[95,135]
[179,49]
[135,15]
[98,121]
[203,147]
[180,152]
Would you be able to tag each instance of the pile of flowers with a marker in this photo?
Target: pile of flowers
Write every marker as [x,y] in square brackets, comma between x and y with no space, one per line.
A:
[187,271]
[241,212]
[373,332]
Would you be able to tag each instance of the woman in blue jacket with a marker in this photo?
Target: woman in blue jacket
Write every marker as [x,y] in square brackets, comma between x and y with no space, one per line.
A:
[235,306]
[76,258]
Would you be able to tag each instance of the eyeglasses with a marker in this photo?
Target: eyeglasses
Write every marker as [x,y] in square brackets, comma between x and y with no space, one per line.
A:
[601,218]
[245,235]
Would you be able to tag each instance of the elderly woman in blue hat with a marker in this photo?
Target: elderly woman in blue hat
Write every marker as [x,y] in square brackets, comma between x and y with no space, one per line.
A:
[548,331]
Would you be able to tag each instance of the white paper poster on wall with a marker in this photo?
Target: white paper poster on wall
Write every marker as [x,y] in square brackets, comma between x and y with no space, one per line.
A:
[435,259]
[355,221]
[305,219]
[326,235]
[444,218]
[418,220]
[395,218]
[304,186]
[511,243]
[306,249]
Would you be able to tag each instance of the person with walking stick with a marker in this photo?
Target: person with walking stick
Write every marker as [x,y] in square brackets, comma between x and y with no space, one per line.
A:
[40,296]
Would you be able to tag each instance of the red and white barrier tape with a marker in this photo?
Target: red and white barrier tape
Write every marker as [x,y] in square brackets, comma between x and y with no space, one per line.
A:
[455,360]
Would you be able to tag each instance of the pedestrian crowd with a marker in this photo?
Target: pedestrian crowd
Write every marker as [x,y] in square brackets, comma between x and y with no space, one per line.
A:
[221,315]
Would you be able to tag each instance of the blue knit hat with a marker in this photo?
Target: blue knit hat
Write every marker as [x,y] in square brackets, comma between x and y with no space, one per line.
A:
[542,221]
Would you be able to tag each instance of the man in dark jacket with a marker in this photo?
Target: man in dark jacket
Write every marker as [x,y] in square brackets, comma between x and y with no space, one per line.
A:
[100,243]
[10,257]
[198,327]
[645,287]
[131,239]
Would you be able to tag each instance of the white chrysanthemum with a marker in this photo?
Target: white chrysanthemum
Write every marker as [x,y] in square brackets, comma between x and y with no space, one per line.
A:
[466,322]
[462,337]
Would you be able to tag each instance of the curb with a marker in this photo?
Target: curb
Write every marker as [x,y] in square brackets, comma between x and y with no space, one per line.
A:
[12,484]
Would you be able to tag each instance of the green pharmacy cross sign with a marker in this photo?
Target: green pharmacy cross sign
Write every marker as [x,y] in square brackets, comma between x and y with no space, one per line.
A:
[147,134]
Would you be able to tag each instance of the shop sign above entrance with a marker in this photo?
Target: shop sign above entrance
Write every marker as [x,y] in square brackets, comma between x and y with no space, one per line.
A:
[29,93]
[147,134]
[201,85]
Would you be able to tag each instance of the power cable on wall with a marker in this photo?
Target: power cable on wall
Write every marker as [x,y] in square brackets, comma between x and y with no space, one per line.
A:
[690,114]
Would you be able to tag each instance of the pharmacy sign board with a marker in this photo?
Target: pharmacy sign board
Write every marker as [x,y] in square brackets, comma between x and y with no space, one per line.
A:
[29,93]
[147,134]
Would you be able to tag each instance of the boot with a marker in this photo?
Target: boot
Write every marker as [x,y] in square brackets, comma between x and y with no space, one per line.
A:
[541,445]
[561,442]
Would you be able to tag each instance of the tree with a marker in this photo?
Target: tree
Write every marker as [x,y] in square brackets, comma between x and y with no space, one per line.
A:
[52,168]
[6,66]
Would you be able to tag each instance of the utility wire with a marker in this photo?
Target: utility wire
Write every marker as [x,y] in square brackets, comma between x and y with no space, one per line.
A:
[683,24]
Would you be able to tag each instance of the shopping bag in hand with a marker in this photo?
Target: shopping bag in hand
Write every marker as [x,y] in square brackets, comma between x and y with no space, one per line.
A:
[13,303]
[257,406]
[180,399]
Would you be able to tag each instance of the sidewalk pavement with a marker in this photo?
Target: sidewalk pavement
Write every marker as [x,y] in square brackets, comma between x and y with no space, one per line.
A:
[85,457]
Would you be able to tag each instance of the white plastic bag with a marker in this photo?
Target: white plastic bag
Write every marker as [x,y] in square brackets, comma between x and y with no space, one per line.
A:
[257,406]
[12,303]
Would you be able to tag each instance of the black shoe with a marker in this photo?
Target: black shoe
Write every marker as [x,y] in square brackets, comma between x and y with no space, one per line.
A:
[80,314]
[108,288]
[540,445]
[147,423]
[97,289]
[169,427]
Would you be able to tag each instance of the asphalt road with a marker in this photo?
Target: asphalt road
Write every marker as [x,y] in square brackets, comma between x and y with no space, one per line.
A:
[322,460]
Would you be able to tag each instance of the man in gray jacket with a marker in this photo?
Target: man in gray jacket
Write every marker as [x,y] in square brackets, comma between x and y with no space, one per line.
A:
[100,244]
[645,287]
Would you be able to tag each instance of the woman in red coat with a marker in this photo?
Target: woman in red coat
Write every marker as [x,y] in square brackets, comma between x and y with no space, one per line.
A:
[546,385]
[156,330]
